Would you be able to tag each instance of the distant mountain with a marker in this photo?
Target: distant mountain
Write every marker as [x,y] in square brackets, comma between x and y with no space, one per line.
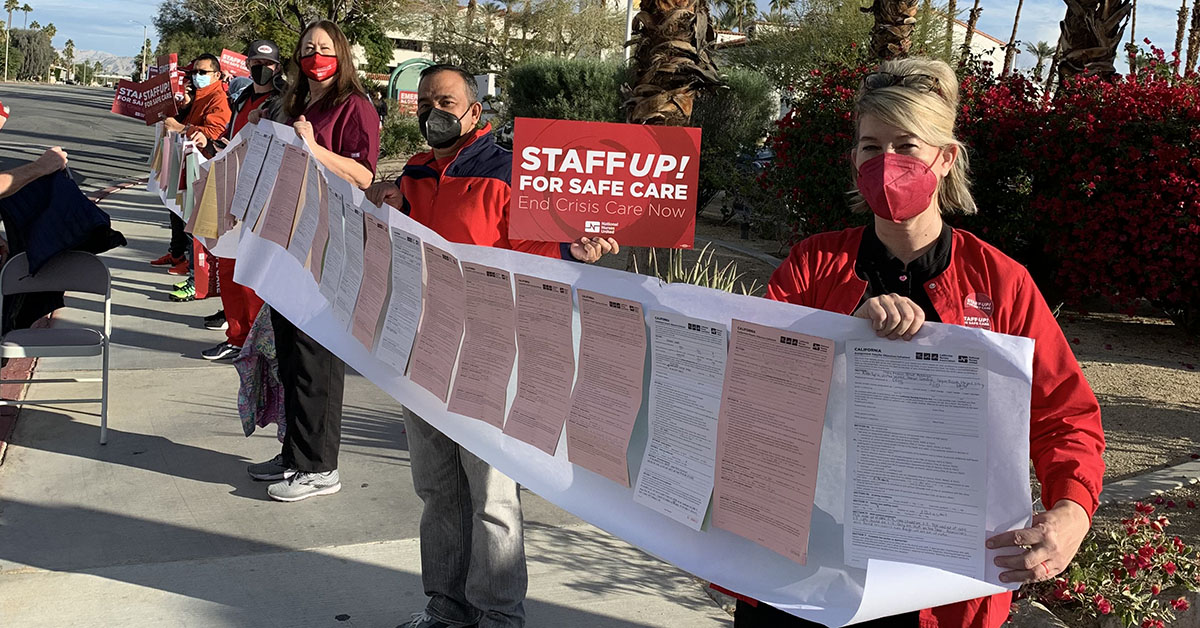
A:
[111,63]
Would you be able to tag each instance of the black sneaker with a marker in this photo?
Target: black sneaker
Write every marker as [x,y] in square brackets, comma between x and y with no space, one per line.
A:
[216,322]
[221,351]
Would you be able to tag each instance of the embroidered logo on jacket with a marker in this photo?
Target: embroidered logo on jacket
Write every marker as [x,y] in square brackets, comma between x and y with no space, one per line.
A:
[977,311]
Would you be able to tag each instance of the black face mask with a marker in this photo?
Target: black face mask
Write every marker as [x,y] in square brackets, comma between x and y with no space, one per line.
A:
[440,128]
[262,74]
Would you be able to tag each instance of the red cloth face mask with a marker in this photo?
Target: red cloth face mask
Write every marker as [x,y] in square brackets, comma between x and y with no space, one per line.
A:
[897,187]
[319,67]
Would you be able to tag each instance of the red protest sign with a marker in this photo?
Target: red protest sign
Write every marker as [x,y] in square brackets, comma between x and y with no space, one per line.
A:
[164,64]
[631,182]
[234,64]
[158,98]
[408,103]
[128,100]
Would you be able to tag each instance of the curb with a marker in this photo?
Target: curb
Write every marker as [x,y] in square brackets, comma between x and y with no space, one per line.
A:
[23,368]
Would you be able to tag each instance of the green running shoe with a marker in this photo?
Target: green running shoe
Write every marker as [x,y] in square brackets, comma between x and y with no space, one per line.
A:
[181,285]
[186,293]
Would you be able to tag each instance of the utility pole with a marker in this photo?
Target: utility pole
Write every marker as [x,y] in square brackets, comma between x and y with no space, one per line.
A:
[145,70]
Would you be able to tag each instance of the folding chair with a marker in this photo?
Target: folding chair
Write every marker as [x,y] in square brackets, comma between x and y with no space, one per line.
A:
[71,271]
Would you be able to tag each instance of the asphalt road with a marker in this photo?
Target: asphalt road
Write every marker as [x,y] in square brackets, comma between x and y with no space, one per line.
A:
[102,147]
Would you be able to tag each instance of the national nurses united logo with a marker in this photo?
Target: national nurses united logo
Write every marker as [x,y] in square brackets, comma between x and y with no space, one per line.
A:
[978,309]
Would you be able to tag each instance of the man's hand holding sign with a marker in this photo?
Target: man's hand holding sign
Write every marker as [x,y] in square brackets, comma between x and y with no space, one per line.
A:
[575,180]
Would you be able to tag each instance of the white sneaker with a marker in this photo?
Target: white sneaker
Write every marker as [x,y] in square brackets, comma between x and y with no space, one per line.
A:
[303,485]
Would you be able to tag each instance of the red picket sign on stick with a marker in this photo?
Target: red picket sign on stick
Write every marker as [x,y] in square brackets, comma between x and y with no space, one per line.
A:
[234,64]
[128,100]
[632,182]
[158,98]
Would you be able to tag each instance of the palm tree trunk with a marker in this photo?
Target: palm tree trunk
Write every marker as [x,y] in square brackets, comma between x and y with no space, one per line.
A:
[1091,32]
[951,16]
[891,35]
[1193,37]
[1179,31]
[1132,48]
[1010,51]
[1049,85]
[971,22]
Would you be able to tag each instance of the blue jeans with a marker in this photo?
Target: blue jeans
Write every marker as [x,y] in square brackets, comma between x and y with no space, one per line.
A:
[472,542]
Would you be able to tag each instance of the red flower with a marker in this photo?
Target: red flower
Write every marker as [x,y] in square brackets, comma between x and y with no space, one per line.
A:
[1169,567]
[1155,589]
[1191,504]
[1180,604]
[1140,507]
[1079,588]
[1102,605]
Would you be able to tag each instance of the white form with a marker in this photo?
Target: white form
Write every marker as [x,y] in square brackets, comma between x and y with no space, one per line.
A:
[306,225]
[248,175]
[688,370]
[352,265]
[335,252]
[266,181]
[916,482]
[404,307]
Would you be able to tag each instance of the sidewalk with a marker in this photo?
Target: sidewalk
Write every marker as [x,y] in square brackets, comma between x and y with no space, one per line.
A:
[162,527]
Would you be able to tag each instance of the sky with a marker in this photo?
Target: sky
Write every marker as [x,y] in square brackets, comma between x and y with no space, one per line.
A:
[105,24]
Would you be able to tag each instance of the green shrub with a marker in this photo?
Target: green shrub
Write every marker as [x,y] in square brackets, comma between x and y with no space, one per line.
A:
[565,89]
[401,136]
[733,120]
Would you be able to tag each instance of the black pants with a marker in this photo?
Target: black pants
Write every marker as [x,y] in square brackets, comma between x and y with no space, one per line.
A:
[313,379]
[180,242]
[766,616]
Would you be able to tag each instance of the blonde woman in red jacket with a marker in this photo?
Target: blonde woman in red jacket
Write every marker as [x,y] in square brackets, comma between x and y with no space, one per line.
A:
[909,267]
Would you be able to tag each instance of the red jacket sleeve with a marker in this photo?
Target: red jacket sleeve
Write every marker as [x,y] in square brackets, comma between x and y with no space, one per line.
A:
[1066,440]
[790,282]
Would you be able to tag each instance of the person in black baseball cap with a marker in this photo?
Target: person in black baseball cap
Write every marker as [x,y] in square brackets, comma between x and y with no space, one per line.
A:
[239,304]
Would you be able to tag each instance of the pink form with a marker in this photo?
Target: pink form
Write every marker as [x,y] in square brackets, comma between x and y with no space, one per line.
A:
[769,436]
[316,258]
[377,265]
[442,322]
[545,362]
[489,346]
[608,393]
[285,198]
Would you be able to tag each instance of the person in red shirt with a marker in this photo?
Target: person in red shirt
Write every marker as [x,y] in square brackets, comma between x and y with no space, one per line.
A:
[472,543]
[908,267]
[330,111]
[203,118]
[239,304]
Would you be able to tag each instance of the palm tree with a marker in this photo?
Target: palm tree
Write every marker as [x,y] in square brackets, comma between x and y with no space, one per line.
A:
[1132,48]
[951,16]
[779,6]
[671,61]
[1193,37]
[1041,51]
[26,9]
[1011,50]
[50,30]
[10,6]
[1179,31]
[735,12]
[68,55]
[35,26]
[891,35]
[971,22]
[1090,34]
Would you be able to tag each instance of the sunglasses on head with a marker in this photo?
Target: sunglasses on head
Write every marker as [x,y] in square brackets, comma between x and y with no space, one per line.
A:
[919,82]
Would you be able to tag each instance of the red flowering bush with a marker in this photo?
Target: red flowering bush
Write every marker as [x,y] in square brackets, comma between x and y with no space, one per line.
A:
[1096,190]
[1135,574]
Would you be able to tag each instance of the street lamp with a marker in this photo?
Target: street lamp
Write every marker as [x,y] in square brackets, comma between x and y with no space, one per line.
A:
[144,69]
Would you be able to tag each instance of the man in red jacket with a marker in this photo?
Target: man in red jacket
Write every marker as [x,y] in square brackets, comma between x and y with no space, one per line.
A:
[472,554]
